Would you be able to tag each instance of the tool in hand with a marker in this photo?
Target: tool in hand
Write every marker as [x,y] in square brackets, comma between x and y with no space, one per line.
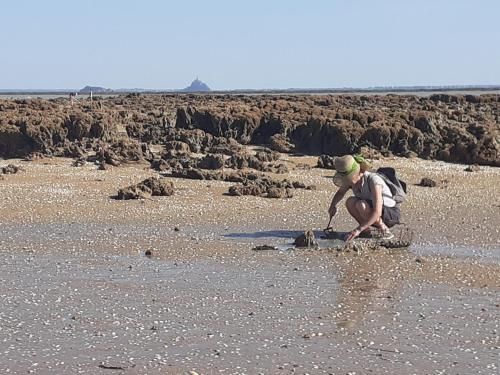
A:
[329,226]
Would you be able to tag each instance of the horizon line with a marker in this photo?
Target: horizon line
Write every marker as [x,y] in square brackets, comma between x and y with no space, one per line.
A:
[298,89]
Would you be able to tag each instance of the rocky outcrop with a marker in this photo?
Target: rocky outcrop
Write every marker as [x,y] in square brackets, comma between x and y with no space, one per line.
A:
[454,128]
[149,187]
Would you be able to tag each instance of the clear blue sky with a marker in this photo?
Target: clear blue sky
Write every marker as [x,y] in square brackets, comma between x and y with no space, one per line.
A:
[233,44]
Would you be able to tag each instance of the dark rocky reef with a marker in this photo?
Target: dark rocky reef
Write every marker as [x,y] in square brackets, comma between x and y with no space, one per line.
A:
[454,128]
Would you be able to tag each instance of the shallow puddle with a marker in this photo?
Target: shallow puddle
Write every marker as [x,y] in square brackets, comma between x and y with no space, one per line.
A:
[461,252]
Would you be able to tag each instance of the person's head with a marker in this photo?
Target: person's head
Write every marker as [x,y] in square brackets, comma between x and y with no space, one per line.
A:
[349,169]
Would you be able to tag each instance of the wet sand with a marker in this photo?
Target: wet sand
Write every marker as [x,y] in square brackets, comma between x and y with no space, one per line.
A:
[78,295]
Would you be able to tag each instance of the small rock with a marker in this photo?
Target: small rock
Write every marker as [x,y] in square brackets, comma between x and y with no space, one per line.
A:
[306,239]
[79,162]
[10,169]
[264,247]
[148,253]
[326,162]
[472,168]
[427,182]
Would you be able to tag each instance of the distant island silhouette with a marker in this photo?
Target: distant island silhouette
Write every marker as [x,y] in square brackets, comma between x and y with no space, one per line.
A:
[197,86]
[95,90]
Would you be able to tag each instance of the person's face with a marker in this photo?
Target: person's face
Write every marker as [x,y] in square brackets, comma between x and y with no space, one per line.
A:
[356,178]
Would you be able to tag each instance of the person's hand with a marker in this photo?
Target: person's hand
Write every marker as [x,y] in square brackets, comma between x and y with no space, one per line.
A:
[332,210]
[352,234]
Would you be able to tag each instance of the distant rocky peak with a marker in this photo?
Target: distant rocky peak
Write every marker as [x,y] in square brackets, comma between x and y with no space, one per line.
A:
[197,86]
[95,90]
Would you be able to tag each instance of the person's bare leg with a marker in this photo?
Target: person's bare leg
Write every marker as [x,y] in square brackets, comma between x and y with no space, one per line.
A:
[351,205]
[365,211]
[361,211]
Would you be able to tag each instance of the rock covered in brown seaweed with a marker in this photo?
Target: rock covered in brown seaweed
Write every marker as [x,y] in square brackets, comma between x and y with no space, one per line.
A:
[306,239]
[427,182]
[149,187]
[10,169]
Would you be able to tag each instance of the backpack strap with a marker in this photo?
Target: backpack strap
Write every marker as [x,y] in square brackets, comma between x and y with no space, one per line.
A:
[369,180]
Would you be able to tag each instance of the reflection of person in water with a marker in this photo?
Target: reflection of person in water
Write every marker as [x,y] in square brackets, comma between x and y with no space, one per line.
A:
[367,284]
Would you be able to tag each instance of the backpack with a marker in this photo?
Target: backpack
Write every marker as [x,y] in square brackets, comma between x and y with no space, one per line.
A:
[397,186]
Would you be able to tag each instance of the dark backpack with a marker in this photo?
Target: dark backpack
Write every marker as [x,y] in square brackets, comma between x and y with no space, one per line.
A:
[397,186]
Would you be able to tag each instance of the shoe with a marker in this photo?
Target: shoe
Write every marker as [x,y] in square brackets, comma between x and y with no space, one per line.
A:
[386,234]
[369,233]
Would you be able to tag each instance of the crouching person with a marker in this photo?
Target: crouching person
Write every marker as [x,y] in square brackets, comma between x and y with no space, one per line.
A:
[372,204]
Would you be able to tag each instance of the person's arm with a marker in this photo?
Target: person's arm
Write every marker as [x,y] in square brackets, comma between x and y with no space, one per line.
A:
[378,202]
[339,195]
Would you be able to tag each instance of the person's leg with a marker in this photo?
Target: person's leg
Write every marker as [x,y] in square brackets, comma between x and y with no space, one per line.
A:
[361,211]
[350,204]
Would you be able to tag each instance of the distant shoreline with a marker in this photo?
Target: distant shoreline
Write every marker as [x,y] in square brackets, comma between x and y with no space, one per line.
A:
[333,91]
[417,92]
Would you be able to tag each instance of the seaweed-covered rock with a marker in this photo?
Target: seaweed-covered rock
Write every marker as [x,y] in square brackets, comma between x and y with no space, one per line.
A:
[178,146]
[263,186]
[472,168]
[121,151]
[267,156]
[10,169]
[280,143]
[326,162]
[427,182]
[241,161]
[197,174]
[454,128]
[306,239]
[211,161]
[149,187]
[275,168]
[273,192]
[252,189]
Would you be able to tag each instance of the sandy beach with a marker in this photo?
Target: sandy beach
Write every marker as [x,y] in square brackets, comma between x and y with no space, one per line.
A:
[79,296]
[171,175]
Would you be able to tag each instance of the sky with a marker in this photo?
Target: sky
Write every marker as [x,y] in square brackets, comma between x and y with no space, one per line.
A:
[257,44]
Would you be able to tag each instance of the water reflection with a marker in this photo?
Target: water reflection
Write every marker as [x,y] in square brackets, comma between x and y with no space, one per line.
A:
[367,283]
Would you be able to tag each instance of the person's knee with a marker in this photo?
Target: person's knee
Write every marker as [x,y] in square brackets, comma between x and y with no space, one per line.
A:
[362,205]
[351,202]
